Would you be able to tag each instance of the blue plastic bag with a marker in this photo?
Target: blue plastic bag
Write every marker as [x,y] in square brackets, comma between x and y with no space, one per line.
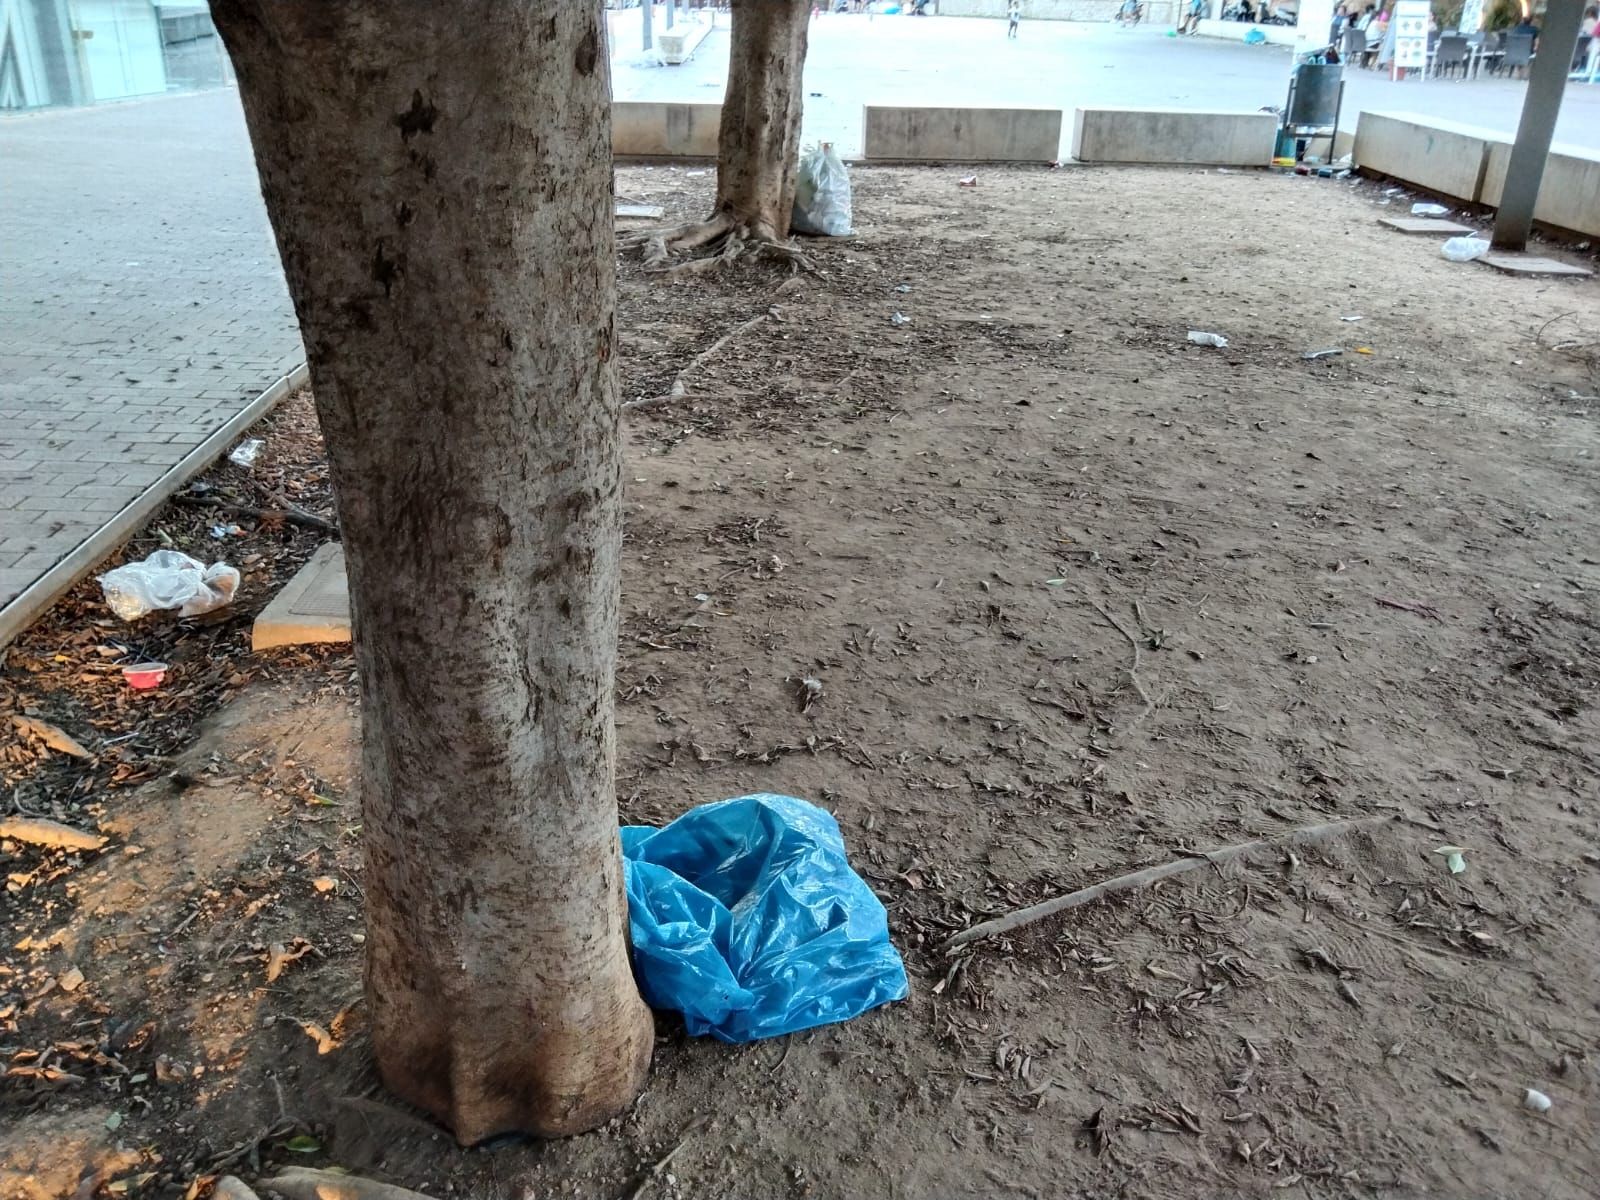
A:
[747,919]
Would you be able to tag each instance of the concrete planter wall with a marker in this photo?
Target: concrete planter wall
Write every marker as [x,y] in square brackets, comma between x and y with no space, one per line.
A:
[912,134]
[1155,135]
[1469,163]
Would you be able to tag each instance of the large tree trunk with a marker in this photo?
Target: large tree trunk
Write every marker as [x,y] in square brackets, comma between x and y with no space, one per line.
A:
[758,144]
[439,179]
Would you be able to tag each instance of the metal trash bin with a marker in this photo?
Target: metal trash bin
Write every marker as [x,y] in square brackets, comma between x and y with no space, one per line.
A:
[1316,95]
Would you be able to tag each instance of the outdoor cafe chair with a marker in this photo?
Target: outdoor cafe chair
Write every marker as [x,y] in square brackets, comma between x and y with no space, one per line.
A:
[1451,55]
[1519,52]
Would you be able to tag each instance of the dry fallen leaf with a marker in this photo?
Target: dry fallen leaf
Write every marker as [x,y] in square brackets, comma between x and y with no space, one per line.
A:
[280,956]
[51,736]
[38,831]
[319,1035]
[343,1021]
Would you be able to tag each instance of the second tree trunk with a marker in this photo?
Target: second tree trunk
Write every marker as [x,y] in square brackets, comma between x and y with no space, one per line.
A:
[759,143]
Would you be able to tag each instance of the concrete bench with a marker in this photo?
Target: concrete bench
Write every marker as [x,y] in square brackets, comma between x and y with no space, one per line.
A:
[1447,158]
[655,129]
[1569,193]
[678,44]
[905,134]
[1166,135]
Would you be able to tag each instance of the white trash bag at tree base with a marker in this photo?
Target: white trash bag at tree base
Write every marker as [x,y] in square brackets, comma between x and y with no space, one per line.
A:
[1465,249]
[822,194]
[168,579]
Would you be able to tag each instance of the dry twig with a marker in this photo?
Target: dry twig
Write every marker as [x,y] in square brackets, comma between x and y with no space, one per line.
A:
[1133,671]
[1149,875]
[680,387]
[661,1164]
[294,516]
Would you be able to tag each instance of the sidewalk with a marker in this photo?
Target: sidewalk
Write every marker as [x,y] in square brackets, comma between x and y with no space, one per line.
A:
[966,61]
[142,318]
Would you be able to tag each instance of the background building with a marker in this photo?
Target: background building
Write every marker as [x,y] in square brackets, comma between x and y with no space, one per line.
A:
[69,52]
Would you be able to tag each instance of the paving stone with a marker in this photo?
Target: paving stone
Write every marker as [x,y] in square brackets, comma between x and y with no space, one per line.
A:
[1426,225]
[314,606]
[136,248]
[1531,264]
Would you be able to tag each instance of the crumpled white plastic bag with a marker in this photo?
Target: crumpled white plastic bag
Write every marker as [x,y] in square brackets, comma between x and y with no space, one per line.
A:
[168,579]
[1465,249]
[822,194]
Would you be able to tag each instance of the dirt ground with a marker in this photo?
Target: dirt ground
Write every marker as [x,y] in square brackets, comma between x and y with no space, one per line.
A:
[1364,585]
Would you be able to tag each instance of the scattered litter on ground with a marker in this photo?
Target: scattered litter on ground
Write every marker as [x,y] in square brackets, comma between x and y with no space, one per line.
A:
[168,579]
[143,676]
[1200,338]
[1423,209]
[808,691]
[1465,249]
[967,181]
[1313,355]
[983,775]
[246,453]
[1454,858]
[1351,317]
[1535,1100]
[899,318]
[747,919]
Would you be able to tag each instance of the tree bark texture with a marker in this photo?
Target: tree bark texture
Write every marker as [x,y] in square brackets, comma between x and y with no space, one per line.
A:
[439,180]
[758,143]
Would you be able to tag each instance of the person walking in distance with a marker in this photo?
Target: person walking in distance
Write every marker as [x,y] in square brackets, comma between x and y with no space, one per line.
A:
[1013,17]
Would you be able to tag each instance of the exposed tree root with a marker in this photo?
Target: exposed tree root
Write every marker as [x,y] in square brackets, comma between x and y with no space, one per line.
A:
[680,387]
[711,244]
[1138,879]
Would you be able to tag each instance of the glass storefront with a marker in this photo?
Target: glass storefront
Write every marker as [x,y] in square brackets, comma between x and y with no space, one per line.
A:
[57,53]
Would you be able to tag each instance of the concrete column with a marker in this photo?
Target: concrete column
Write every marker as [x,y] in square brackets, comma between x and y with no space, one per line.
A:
[1547,79]
[1315,19]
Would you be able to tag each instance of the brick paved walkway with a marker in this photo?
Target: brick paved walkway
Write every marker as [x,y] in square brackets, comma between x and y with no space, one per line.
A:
[142,309]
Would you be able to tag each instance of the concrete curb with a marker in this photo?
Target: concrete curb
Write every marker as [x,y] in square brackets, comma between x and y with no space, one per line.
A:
[45,590]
